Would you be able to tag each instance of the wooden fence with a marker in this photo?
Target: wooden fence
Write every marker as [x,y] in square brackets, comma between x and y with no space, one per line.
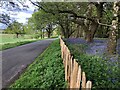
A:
[73,73]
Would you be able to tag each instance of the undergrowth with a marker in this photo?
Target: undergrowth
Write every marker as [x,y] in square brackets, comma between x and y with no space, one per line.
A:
[102,73]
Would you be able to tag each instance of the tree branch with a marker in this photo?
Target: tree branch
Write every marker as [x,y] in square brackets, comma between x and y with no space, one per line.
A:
[35,4]
[64,11]
[103,24]
[41,7]
[71,12]
[74,14]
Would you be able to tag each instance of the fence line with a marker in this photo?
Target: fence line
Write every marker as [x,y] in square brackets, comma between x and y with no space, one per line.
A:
[73,73]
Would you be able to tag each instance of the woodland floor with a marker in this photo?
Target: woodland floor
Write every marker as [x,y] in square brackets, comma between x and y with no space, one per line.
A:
[98,47]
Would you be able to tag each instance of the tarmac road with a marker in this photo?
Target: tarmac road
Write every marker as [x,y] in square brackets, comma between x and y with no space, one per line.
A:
[15,60]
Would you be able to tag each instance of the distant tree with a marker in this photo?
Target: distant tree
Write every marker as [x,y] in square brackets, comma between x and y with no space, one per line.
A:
[29,28]
[15,28]
[43,22]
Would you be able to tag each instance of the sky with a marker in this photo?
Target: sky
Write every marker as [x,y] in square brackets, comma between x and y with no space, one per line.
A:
[19,15]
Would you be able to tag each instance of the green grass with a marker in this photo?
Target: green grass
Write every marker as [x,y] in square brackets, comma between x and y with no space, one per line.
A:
[9,40]
[12,45]
[46,72]
[102,73]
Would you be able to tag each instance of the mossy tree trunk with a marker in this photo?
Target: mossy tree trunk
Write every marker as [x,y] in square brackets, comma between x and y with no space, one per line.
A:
[91,25]
[112,40]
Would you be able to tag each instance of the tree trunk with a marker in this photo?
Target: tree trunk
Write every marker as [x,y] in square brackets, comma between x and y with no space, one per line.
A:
[65,33]
[17,34]
[112,40]
[43,34]
[89,34]
[88,37]
[49,33]
[79,32]
[91,27]
[62,29]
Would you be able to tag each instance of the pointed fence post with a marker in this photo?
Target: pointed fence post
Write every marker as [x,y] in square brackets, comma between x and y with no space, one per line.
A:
[66,66]
[74,74]
[88,85]
[79,77]
[83,81]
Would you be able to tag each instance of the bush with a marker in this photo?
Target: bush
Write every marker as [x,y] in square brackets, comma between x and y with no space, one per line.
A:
[46,72]
[37,36]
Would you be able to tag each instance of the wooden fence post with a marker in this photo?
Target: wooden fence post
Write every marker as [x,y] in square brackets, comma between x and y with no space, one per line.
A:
[74,75]
[83,81]
[79,77]
[88,85]
[64,54]
[69,68]
[66,66]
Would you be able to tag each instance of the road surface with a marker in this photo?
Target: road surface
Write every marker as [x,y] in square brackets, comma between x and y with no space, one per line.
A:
[15,60]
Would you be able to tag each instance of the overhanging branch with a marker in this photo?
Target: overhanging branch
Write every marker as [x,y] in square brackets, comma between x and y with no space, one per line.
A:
[75,15]
[103,24]
[40,6]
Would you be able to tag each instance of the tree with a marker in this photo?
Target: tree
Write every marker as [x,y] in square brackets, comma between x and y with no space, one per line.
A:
[43,22]
[113,34]
[15,28]
[78,10]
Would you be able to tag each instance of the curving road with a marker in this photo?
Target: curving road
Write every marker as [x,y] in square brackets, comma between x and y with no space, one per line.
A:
[15,60]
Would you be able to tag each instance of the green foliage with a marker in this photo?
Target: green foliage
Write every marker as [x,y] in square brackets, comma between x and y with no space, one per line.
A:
[36,36]
[46,72]
[79,48]
[29,28]
[101,72]
[40,20]
[14,28]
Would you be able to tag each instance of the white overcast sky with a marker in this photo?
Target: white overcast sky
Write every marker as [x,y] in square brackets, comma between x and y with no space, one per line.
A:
[21,16]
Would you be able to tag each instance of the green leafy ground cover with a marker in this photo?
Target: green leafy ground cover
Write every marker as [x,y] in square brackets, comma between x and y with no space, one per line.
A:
[101,72]
[46,72]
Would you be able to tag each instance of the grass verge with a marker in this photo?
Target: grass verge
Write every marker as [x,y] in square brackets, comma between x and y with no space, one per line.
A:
[46,72]
[102,73]
[12,45]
